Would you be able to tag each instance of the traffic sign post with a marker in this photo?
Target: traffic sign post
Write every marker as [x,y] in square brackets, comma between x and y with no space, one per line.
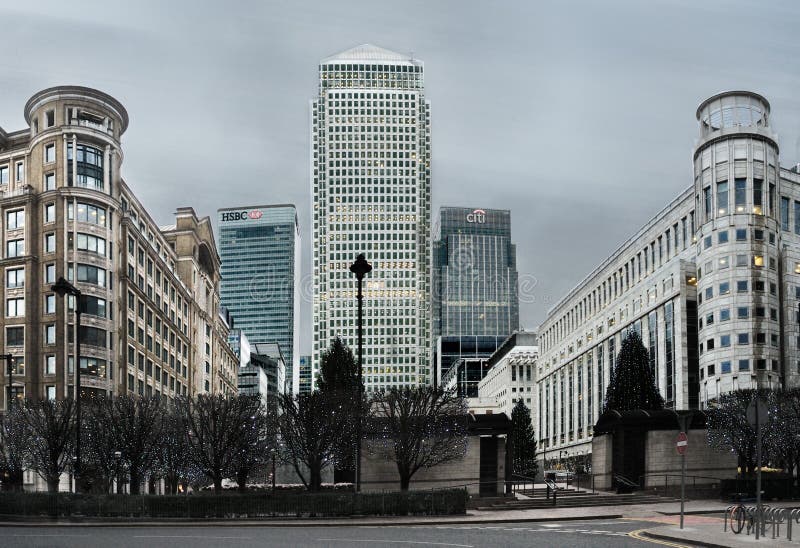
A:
[680,445]
[756,416]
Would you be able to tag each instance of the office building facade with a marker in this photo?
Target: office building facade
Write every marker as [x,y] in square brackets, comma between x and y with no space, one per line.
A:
[260,252]
[304,371]
[511,374]
[711,283]
[371,192]
[451,350]
[149,295]
[474,273]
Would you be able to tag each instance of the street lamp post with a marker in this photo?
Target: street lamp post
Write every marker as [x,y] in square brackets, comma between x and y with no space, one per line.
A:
[273,469]
[62,287]
[117,457]
[360,268]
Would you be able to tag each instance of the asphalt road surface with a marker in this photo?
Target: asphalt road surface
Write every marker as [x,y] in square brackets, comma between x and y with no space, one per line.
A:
[573,534]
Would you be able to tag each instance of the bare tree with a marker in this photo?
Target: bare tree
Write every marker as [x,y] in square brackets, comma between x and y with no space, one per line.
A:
[418,427]
[173,456]
[99,437]
[259,437]
[782,431]
[216,424]
[311,428]
[137,423]
[13,449]
[728,429]
[50,427]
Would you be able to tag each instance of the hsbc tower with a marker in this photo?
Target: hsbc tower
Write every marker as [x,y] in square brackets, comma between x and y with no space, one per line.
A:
[260,251]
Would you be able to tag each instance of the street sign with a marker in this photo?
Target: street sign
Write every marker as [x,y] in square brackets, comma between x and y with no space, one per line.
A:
[682,443]
[757,405]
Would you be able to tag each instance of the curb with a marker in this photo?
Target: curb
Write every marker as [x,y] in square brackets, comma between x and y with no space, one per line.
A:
[694,512]
[657,536]
[300,523]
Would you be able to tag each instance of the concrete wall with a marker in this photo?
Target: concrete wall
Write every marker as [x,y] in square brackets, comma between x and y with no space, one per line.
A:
[661,458]
[601,461]
[380,473]
[701,460]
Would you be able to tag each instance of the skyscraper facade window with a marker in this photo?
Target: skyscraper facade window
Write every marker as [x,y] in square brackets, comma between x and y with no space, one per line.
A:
[260,252]
[371,189]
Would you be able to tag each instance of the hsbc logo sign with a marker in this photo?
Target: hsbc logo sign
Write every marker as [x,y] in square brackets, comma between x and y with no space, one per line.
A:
[478,216]
[241,215]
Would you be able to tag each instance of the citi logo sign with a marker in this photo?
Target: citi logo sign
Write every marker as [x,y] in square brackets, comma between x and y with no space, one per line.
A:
[241,215]
[477,216]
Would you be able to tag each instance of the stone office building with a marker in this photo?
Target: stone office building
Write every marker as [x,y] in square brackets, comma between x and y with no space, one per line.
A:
[150,296]
[711,283]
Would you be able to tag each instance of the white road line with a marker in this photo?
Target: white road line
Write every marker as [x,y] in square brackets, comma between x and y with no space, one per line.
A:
[192,537]
[42,535]
[394,542]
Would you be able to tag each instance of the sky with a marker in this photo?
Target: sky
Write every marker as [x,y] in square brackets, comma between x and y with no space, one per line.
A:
[579,116]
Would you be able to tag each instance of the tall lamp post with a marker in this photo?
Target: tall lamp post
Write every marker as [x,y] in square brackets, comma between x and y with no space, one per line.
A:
[9,370]
[360,268]
[62,287]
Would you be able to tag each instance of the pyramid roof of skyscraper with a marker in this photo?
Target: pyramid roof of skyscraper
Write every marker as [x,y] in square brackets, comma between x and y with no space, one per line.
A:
[369,53]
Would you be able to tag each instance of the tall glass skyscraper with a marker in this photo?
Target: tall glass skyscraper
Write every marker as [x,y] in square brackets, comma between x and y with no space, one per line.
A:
[474,274]
[260,251]
[371,189]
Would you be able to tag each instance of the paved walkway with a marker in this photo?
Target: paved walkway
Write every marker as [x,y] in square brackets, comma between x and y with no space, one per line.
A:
[711,535]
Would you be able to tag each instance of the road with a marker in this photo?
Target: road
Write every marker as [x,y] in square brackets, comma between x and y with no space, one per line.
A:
[573,534]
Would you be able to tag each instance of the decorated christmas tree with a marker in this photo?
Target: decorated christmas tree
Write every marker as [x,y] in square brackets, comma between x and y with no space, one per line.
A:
[632,384]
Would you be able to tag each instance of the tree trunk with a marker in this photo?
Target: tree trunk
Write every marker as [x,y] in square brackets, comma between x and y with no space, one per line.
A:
[315,482]
[405,480]
[151,485]
[218,484]
[52,485]
[135,482]
[241,479]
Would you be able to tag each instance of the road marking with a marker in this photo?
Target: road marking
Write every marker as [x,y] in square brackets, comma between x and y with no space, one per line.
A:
[638,535]
[42,535]
[394,542]
[193,537]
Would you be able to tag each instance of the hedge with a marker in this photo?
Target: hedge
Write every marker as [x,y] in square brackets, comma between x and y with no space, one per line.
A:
[233,506]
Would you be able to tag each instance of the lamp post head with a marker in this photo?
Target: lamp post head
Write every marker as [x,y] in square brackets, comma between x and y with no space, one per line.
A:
[360,267]
[63,287]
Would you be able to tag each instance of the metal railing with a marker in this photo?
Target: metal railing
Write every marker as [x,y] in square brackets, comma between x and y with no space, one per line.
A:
[643,477]
[627,482]
[519,482]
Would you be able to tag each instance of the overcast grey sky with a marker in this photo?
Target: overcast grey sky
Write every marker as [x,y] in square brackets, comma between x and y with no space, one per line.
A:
[578,116]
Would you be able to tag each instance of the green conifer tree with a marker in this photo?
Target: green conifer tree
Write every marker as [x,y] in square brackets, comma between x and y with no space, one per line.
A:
[523,441]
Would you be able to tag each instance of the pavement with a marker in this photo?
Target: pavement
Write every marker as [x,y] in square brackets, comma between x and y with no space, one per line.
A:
[572,534]
[600,526]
